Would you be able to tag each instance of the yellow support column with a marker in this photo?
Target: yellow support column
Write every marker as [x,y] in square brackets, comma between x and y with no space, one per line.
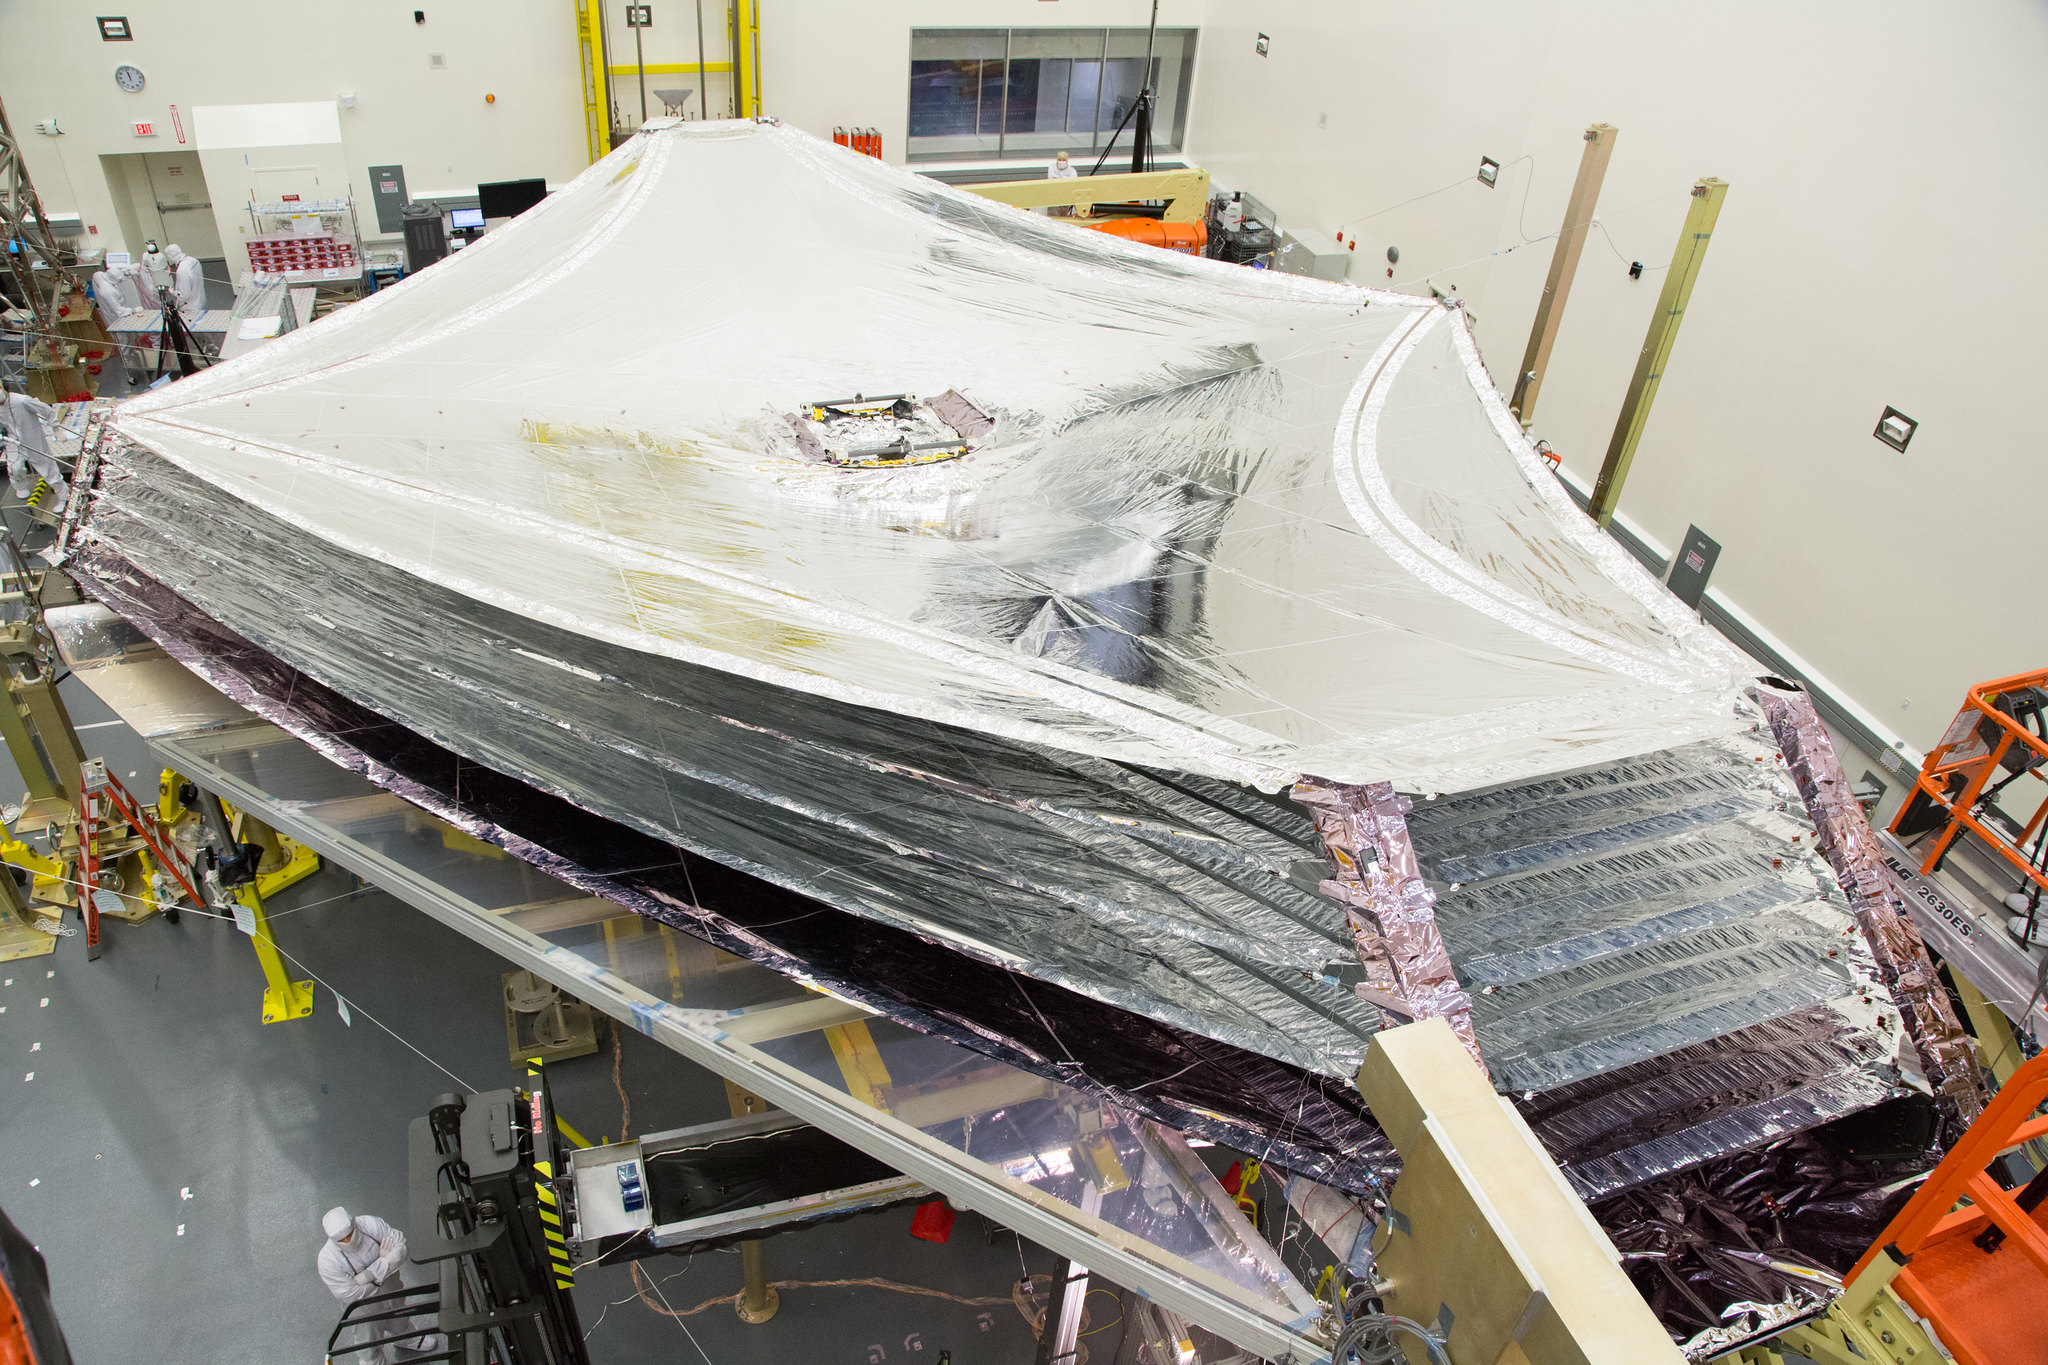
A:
[1707,195]
[283,998]
[746,57]
[590,59]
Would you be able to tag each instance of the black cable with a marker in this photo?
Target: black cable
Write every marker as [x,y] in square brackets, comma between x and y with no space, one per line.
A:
[1111,144]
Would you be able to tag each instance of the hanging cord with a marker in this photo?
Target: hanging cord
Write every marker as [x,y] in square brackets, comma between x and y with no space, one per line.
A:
[619,1084]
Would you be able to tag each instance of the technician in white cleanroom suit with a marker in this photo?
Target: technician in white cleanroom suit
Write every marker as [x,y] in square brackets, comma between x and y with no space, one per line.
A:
[28,446]
[111,299]
[157,269]
[133,281]
[363,1257]
[188,283]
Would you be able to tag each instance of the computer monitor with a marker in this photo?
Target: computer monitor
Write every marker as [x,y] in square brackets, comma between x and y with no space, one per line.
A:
[466,218]
[509,198]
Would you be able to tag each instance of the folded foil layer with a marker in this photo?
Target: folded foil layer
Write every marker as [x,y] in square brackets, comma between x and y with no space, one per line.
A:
[1607,918]
[1176,898]
[1375,878]
[1307,1122]
[1729,1251]
[1946,1054]
[1696,1273]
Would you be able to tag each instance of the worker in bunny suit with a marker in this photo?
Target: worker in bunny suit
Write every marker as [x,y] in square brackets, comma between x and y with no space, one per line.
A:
[110,294]
[188,283]
[364,1256]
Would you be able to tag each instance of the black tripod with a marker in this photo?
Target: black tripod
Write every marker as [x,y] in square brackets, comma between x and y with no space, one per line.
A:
[176,337]
[1141,109]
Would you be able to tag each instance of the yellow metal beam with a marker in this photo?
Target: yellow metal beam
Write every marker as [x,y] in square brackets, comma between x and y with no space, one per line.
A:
[1867,1325]
[590,62]
[1187,192]
[1707,195]
[746,53]
[670,68]
[860,1062]
[283,998]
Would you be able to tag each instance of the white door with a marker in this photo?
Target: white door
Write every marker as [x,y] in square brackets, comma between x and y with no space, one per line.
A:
[183,207]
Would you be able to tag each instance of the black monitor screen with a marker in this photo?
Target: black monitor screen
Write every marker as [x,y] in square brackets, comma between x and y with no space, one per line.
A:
[510,198]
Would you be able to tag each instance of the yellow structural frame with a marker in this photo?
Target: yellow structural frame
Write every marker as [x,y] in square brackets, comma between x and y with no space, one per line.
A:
[1186,192]
[746,63]
[1686,260]
[283,998]
[590,64]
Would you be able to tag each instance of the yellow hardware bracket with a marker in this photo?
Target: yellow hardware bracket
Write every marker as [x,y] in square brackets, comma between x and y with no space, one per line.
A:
[50,883]
[169,808]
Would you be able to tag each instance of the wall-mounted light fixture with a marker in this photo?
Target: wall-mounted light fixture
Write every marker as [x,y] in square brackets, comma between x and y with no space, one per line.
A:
[1489,171]
[1895,429]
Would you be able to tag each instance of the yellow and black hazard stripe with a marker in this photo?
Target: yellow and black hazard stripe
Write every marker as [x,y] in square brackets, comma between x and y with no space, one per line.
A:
[551,1225]
[550,1209]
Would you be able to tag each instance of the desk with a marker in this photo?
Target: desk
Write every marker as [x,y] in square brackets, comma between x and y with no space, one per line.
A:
[138,326]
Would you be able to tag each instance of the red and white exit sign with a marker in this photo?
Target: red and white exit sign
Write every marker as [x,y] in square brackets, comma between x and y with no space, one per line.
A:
[144,129]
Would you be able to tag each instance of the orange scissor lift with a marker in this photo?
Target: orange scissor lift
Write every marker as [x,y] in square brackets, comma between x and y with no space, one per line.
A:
[1985,749]
[1966,1258]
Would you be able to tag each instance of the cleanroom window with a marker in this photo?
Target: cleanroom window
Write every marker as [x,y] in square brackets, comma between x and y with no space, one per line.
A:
[1036,92]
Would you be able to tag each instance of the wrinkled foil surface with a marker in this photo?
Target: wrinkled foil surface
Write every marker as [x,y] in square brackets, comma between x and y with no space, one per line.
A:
[989,743]
[1232,523]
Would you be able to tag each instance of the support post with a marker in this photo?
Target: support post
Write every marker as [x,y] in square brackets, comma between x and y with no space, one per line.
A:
[1671,303]
[703,100]
[590,56]
[758,1299]
[746,56]
[1564,263]
[283,998]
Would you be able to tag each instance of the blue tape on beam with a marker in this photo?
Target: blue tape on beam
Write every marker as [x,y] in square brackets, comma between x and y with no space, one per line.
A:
[645,1015]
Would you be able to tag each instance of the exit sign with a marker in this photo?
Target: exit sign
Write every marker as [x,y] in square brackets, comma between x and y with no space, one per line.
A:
[143,129]
[291,199]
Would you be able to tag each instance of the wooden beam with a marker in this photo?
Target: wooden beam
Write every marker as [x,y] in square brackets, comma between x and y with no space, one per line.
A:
[1564,263]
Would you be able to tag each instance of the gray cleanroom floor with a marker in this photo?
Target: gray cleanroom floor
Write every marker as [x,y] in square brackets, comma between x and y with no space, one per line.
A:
[171,1155]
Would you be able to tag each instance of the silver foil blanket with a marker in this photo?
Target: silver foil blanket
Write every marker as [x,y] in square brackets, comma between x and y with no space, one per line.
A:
[1387,905]
[1844,838]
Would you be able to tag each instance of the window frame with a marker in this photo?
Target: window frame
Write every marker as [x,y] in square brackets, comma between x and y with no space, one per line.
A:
[1075,143]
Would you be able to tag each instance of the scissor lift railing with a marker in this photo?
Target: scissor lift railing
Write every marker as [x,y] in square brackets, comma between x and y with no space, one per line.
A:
[1974,1254]
[1964,770]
